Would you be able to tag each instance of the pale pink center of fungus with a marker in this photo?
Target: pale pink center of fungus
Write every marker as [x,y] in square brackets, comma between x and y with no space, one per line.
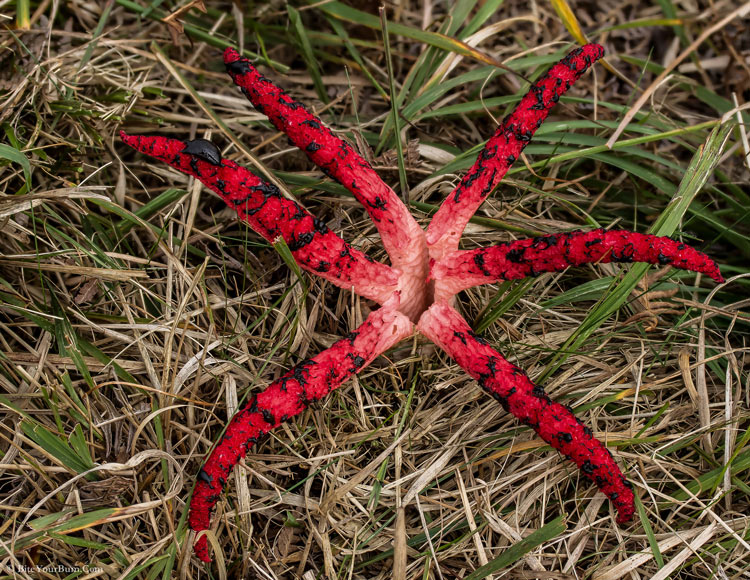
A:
[417,292]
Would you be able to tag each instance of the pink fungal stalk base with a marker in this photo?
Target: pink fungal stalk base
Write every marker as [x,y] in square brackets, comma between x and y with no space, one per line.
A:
[417,292]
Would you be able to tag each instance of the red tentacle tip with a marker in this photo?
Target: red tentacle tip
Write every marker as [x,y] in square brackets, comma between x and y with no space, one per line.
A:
[127,139]
[200,548]
[231,55]
[596,51]
[625,514]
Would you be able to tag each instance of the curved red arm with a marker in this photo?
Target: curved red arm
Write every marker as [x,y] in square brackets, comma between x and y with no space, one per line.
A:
[528,402]
[554,253]
[503,149]
[402,237]
[285,398]
[262,206]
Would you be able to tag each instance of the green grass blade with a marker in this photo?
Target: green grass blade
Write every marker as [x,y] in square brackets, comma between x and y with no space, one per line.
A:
[458,14]
[15,156]
[300,34]
[348,14]
[394,107]
[518,550]
[339,29]
[483,13]
[58,448]
[283,250]
[149,209]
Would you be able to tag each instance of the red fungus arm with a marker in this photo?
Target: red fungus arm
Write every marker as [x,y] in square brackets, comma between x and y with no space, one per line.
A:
[285,398]
[554,253]
[402,237]
[510,386]
[503,149]
[263,207]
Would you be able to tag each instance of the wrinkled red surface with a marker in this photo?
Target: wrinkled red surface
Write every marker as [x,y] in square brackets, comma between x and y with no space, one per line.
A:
[554,253]
[325,254]
[270,214]
[285,398]
[402,238]
[510,386]
[503,148]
